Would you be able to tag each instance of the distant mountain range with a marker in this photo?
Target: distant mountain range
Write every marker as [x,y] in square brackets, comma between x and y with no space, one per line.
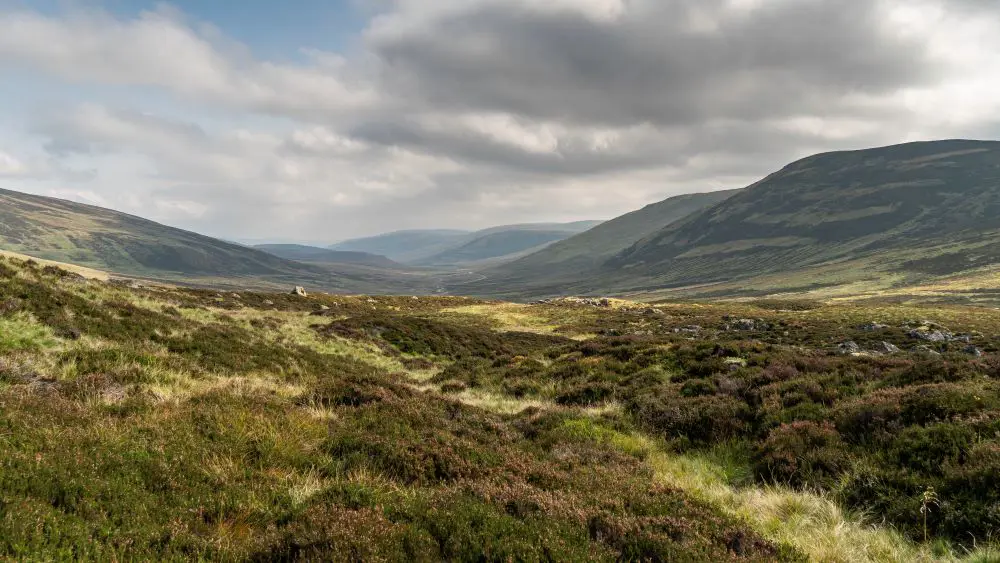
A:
[107,240]
[883,217]
[450,247]
[303,253]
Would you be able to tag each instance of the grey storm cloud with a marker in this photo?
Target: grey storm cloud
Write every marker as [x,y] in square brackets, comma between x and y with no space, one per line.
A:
[663,62]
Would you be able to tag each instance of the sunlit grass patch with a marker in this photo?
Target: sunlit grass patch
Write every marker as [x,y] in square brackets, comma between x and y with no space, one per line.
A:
[508,316]
[22,333]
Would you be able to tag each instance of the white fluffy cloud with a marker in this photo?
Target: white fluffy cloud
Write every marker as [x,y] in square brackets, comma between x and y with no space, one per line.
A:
[476,112]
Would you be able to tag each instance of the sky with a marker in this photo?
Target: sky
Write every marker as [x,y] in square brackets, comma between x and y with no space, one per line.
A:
[319,120]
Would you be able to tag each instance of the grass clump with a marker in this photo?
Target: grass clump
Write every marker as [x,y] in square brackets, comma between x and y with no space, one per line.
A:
[22,333]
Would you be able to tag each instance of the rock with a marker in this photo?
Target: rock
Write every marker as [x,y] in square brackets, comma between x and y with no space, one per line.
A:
[849,348]
[973,351]
[688,329]
[886,348]
[748,324]
[604,303]
[324,308]
[268,302]
[237,296]
[300,291]
[872,327]
[931,335]
[924,349]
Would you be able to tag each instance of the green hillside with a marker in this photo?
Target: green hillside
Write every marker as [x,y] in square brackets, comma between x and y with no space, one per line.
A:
[913,209]
[406,246]
[496,245]
[445,247]
[546,270]
[100,238]
[304,253]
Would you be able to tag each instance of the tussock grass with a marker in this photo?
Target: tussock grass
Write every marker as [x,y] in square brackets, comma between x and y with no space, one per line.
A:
[22,333]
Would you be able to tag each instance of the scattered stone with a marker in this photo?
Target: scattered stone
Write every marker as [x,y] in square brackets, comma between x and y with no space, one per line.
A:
[268,302]
[690,329]
[748,324]
[873,327]
[886,348]
[973,351]
[300,291]
[850,348]
[931,335]
[925,349]
[237,296]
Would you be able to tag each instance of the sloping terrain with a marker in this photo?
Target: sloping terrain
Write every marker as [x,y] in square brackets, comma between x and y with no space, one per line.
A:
[546,270]
[496,245]
[443,247]
[405,246]
[304,253]
[920,208]
[179,424]
[107,240]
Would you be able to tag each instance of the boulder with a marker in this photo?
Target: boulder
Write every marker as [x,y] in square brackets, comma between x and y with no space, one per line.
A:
[931,335]
[886,348]
[926,350]
[300,291]
[973,351]
[849,348]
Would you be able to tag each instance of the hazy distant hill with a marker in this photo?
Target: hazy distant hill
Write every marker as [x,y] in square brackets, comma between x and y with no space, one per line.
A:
[405,246]
[449,247]
[108,240]
[304,253]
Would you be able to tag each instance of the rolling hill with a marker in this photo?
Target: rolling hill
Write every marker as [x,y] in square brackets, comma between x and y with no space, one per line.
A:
[917,208]
[546,269]
[304,253]
[449,247]
[103,239]
[406,246]
[886,217]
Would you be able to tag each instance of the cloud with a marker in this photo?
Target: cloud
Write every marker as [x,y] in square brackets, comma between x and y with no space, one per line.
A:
[659,62]
[161,49]
[467,113]
[10,166]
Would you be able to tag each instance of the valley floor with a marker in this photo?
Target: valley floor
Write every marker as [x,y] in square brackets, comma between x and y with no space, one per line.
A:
[168,423]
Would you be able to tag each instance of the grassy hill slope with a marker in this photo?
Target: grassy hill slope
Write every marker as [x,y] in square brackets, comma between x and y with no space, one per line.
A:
[497,245]
[445,247]
[902,207]
[566,261]
[304,253]
[108,240]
